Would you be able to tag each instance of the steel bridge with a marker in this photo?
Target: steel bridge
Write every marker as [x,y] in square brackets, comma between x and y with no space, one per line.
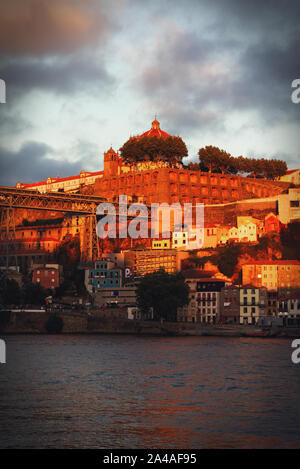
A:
[84,205]
[56,202]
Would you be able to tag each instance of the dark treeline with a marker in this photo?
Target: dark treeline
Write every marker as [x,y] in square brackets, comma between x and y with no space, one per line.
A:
[211,159]
[214,160]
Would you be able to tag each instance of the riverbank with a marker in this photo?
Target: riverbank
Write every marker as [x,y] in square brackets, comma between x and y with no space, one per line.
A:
[81,323]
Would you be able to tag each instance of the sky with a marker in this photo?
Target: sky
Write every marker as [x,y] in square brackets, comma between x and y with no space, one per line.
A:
[84,75]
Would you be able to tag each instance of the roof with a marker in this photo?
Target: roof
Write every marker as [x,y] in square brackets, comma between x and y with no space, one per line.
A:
[196,273]
[58,179]
[295,296]
[155,131]
[290,171]
[278,262]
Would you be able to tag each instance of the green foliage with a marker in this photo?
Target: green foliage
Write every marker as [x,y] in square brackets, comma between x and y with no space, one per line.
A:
[54,324]
[227,258]
[170,149]
[164,293]
[10,292]
[219,161]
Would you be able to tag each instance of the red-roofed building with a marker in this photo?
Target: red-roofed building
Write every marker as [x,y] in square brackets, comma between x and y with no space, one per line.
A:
[67,184]
[155,131]
[272,223]
[292,175]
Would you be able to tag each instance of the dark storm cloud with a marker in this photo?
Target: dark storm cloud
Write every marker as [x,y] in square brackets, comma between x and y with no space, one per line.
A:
[50,27]
[60,74]
[31,163]
[244,60]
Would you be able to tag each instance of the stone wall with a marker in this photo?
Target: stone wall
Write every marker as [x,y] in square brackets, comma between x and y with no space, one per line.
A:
[182,185]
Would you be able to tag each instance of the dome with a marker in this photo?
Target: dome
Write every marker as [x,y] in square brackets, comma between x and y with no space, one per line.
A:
[155,131]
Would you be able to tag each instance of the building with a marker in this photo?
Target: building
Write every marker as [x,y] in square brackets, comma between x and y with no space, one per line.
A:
[289,306]
[180,240]
[289,206]
[146,261]
[272,303]
[230,304]
[49,276]
[67,184]
[105,274]
[253,302]
[208,295]
[292,176]
[161,244]
[159,181]
[273,275]
[189,312]
[116,297]
[272,223]
[244,233]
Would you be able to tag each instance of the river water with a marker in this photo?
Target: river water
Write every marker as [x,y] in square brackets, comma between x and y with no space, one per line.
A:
[110,391]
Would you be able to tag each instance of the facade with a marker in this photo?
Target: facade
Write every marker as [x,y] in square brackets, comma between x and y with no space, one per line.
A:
[161,244]
[189,313]
[272,223]
[272,303]
[48,276]
[289,206]
[230,305]
[209,300]
[293,176]
[105,274]
[180,239]
[118,297]
[67,184]
[253,302]
[273,275]
[146,261]
[289,306]
[244,233]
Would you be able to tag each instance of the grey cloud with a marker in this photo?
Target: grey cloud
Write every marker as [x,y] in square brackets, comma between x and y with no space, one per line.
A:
[212,77]
[60,74]
[33,162]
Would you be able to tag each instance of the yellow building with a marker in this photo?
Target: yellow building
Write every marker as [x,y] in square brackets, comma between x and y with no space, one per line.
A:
[253,303]
[161,244]
[147,261]
[272,274]
[292,175]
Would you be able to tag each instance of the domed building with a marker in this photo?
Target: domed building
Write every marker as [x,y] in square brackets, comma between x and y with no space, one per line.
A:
[155,131]
[158,181]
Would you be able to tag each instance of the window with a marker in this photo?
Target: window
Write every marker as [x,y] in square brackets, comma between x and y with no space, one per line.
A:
[295,203]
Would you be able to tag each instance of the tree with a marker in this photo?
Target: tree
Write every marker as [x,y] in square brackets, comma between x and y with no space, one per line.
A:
[10,292]
[227,258]
[139,149]
[214,160]
[164,293]
[211,158]
[34,293]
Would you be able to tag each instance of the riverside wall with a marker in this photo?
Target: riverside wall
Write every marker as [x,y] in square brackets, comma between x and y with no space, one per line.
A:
[35,323]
